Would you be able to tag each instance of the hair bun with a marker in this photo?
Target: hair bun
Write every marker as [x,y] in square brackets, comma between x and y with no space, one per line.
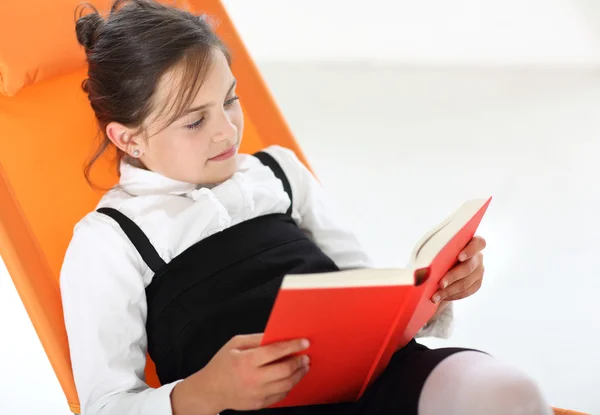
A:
[87,27]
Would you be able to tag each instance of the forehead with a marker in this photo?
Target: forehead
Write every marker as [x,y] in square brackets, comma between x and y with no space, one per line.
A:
[193,81]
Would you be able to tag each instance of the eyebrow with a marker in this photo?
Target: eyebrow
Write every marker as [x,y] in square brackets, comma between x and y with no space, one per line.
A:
[204,106]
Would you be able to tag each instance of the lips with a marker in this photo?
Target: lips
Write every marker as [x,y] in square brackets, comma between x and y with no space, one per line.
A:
[225,155]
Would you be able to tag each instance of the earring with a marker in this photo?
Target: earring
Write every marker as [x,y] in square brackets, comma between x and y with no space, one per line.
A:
[136,153]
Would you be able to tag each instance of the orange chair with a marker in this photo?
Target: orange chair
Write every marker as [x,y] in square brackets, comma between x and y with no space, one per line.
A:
[46,131]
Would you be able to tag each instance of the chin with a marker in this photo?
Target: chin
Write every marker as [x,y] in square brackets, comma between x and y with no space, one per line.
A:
[223,172]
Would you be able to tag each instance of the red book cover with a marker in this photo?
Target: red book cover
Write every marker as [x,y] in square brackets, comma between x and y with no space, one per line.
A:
[420,310]
[356,319]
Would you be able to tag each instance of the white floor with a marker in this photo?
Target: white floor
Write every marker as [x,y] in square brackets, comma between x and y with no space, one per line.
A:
[398,149]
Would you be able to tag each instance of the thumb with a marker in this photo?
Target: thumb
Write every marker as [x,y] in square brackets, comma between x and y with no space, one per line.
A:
[247,341]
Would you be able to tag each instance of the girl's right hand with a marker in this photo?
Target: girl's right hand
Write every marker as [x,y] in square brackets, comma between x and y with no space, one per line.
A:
[242,376]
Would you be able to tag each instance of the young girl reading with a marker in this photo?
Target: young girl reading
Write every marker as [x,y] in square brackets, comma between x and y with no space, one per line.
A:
[182,259]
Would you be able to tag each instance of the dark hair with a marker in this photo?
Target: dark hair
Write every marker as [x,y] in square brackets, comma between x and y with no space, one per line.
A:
[130,50]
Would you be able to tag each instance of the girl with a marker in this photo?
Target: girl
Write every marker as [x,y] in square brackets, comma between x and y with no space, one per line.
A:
[183,258]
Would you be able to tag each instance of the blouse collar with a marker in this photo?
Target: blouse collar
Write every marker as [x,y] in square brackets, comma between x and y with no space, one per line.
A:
[140,182]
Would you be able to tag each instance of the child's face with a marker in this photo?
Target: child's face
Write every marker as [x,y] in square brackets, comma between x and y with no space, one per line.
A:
[201,146]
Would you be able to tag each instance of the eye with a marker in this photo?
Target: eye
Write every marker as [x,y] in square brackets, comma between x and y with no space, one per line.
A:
[230,101]
[195,125]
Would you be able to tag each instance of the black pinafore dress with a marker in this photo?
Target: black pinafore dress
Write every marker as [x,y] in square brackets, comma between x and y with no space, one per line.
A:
[226,285]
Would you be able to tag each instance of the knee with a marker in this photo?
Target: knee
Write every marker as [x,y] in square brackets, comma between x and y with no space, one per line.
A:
[472,383]
[509,392]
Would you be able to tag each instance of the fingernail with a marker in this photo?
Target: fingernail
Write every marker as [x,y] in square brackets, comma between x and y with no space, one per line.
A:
[462,257]
[436,298]
[305,360]
[443,284]
[305,343]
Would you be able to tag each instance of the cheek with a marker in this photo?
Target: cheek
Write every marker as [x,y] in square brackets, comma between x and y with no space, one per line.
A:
[160,148]
[184,149]
[199,149]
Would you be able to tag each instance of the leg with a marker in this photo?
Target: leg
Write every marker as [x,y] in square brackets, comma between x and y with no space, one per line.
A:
[470,383]
[450,381]
[398,388]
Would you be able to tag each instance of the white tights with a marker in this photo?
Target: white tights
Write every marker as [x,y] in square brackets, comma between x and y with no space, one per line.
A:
[473,383]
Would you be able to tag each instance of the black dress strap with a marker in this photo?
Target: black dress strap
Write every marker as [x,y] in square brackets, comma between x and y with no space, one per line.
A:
[138,238]
[269,161]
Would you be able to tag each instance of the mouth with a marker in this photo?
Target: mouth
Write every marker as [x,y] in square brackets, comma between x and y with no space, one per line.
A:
[230,152]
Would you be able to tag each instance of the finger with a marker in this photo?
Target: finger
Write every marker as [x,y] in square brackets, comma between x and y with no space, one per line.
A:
[284,368]
[468,292]
[283,386]
[273,399]
[461,271]
[275,351]
[459,286]
[246,341]
[477,244]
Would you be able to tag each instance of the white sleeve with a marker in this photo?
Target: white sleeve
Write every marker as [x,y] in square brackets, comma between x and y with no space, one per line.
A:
[104,304]
[440,325]
[315,215]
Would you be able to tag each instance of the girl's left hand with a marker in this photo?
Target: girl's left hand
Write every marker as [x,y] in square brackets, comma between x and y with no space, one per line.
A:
[465,278]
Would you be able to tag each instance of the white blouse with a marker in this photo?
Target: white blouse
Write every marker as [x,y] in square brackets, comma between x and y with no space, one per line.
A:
[103,278]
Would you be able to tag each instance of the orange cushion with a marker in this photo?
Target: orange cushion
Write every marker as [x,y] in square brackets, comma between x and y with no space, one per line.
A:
[37,41]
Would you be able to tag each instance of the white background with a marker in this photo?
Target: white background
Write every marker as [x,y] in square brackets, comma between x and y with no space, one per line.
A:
[405,109]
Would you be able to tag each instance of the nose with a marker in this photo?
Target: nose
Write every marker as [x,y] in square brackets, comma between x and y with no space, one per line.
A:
[226,129]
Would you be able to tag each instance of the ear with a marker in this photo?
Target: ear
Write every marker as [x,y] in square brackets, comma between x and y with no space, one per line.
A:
[125,139]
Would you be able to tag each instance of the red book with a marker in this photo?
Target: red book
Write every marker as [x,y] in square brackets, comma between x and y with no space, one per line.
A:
[356,319]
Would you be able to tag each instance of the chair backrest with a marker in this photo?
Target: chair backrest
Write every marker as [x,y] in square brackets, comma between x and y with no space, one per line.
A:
[46,134]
